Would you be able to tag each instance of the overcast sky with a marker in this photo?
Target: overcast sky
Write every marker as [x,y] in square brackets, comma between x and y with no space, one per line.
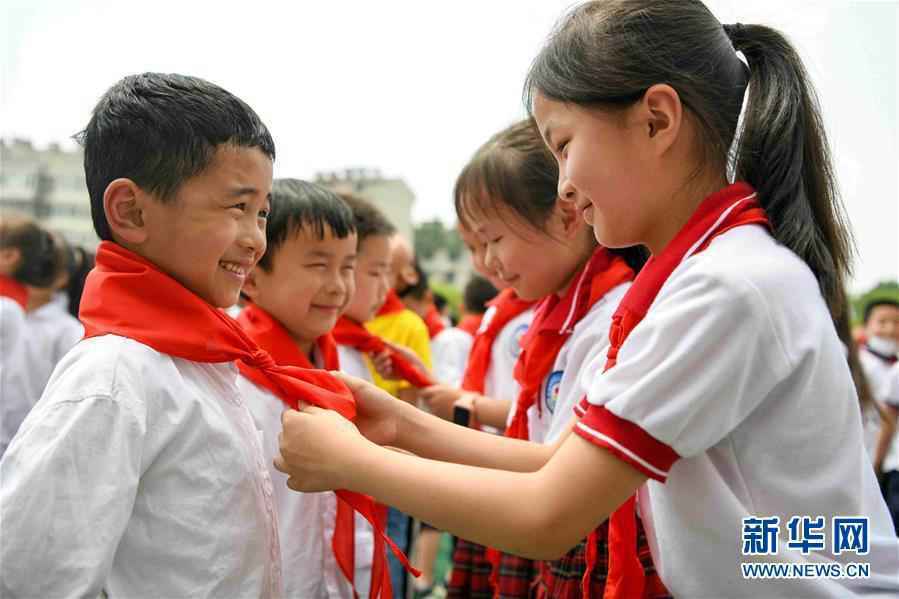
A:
[414,87]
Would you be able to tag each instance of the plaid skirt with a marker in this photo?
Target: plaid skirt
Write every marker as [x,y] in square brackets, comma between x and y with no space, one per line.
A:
[561,579]
[471,574]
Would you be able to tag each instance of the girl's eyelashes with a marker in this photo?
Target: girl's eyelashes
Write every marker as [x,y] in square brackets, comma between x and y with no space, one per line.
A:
[560,148]
[496,239]
[264,214]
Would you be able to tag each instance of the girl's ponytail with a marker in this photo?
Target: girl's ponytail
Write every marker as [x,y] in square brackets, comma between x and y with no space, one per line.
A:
[782,151]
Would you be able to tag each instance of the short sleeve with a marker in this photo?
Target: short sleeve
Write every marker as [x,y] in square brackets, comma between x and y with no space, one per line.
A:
[704,357]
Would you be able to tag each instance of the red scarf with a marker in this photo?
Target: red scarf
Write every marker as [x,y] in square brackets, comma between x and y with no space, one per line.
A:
[502,309]
[271,336]
[392,304]
[14,290]
[554,321]
[470,323]
[433,321]
[351,333]
[129,296]
[733,206]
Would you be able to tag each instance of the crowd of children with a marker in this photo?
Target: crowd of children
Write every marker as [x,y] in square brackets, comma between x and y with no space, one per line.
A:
[261,397]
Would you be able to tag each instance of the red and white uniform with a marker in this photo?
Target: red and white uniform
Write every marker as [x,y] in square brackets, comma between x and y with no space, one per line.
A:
[734,397]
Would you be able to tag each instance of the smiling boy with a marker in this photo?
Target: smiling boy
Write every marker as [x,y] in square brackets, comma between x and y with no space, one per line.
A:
[139,471]
[302,284]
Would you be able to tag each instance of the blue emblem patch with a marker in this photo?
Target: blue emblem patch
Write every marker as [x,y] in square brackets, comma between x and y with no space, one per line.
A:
[551,390]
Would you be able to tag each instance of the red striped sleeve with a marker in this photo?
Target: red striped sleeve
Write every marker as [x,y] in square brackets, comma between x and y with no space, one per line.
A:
[581,408]
[627,441]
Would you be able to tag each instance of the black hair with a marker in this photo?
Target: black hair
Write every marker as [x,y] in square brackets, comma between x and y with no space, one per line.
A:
[515,169]
[420,289]
[440,301]
[368,220]
[605,55]
[40,252]
[478,291]
[874,303]
[299,205]
[81,265]
[159,130]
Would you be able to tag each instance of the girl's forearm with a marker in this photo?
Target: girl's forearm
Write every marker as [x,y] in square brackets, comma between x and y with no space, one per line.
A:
[538,515]
[430,437]
[492,412]
[478,504]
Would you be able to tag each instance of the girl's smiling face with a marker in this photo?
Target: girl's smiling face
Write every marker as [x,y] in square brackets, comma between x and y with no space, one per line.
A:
[536,263]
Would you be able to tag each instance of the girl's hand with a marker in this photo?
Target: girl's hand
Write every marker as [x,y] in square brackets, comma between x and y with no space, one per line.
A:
[378,413]
[383,366]
[410,355]
[440,399]
[317,449]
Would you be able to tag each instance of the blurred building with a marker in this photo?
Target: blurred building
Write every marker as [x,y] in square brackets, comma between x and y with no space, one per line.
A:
[48,185]
[391,196]
[442,267]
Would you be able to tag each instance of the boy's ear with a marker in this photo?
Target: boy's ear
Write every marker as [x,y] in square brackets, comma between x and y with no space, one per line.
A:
[10,258]
[250,285]
[123,204]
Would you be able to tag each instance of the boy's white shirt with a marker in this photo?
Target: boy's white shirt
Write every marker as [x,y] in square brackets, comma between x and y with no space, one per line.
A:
[449,354]
[52,332]
[139,474]
[17,392]
[889,394]
[737,367]
[306,520]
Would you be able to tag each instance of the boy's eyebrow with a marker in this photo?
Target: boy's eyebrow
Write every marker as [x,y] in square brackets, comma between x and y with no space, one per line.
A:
[247,191]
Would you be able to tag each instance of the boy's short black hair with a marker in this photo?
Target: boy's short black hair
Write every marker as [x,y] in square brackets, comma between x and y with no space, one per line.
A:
[440,301]
[478,291]
[40,253]
[369,220]
[881,301]
[420,289]
[300,205]
[159,130]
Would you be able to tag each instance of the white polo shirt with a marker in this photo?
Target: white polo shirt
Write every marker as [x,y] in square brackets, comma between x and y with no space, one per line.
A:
[879,374]
[449,354]
[354,363]
[306,520]
[53,332]
[561,389]
[499,381]
[734,396]
[17,393]
[139,474]
[891,397]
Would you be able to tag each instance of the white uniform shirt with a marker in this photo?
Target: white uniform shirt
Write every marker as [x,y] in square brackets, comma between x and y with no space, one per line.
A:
[890,396]
[53,332]
[141,474]
[499,381]
[449,354]
[354,363]
[306,520]
[17,392]
[738,369]
[584,349]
